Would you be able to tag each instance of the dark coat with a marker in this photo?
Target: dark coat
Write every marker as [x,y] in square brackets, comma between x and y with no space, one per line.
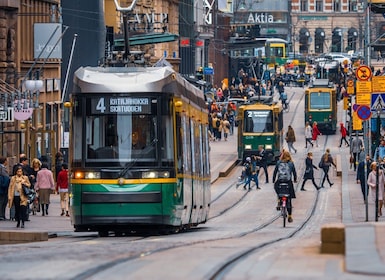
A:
[309,170]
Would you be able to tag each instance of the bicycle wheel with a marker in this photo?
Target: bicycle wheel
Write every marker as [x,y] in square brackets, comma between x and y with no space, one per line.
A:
[284,214]
[286,108]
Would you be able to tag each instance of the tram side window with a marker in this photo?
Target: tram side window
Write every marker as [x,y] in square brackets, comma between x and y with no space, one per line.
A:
[320,101]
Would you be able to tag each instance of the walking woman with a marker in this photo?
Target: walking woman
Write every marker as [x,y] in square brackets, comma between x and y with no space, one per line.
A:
[315,134]
[372,183]
[308,135]
[309,171]
[44,185]
[326,162]
[16,196]
[290,138]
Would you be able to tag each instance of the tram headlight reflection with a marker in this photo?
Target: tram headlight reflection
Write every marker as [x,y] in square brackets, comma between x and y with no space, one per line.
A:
[155,174]
[92,175]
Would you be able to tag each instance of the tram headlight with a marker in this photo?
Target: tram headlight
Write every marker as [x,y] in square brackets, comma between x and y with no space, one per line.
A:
[86,175]
[91,175]
[155,174]
[269,147]
[247,147]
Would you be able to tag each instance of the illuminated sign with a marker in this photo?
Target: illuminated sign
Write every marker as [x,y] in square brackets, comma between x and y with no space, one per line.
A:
[260,18]
[121,105]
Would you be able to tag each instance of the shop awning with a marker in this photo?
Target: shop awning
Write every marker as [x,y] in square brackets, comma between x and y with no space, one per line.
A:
[145,39]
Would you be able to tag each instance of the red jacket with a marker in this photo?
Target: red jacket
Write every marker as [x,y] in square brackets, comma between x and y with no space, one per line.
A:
[343,131]
[316,132]
[62,180]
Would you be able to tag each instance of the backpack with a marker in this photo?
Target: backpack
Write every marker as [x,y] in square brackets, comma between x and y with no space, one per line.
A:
[284,172]
[321,162]
[247,169]
[218,123]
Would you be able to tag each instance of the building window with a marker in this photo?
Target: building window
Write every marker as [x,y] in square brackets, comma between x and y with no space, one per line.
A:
[353,6]
[319,5]
[336,5]
[304,5]
[319,40]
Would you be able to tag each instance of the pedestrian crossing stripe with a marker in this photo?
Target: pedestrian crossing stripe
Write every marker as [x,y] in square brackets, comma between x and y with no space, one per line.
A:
[377,99]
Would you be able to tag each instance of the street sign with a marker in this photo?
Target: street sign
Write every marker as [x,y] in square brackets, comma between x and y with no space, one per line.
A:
[357,123]
[350,83]
[7,115]
[363,87]
[363,112]
[363,98]
[378,83]
[363,73]
[377,100]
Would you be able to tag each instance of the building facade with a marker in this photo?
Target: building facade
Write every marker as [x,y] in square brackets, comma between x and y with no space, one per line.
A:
[26,55]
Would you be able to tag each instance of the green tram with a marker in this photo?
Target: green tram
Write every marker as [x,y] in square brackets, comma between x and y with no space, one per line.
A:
[260,123]
[321,106]
[139,151]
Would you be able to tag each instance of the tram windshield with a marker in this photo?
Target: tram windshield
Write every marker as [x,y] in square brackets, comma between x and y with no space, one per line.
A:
[258,121]
[320,101]
[122,129]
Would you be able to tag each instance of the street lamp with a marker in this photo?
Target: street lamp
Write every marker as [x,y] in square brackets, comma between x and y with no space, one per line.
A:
[378,110]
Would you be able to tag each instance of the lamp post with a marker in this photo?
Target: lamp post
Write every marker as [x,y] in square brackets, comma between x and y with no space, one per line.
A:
[378,110]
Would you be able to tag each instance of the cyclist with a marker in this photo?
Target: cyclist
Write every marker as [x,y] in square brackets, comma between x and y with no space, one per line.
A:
[284,172]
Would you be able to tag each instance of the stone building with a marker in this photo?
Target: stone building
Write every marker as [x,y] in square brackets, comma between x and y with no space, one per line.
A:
[35,124]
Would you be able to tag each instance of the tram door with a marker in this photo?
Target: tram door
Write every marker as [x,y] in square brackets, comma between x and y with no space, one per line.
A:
[45,147]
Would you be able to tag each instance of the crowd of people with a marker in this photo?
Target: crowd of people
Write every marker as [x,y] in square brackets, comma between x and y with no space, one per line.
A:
[29,187]
[359,162]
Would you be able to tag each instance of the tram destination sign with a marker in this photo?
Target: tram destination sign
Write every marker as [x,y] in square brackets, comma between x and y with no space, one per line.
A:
[121,105]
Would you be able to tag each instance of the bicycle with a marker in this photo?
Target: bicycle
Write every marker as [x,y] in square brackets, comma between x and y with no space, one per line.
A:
[283,202]
[285,105]
[283,194]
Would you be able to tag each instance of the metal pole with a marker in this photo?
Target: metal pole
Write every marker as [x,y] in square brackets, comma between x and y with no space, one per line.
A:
[68,68]
[367,34]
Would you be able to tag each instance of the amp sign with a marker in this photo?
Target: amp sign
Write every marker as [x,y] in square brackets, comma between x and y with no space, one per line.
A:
[7,115]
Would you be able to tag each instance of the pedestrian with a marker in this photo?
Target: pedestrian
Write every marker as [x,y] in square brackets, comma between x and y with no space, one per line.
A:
[225,127]
[355,149]
[309,171]
[254,170]
[262,161]
[361,177]
[36,166]
[62,184]
[325,163]
[44,186]
[379,56]
[308,135]
[285,172]
[315,133]
[248,173]
[344,133]
[17,197]
[290,138]
[372,183]
[4,185]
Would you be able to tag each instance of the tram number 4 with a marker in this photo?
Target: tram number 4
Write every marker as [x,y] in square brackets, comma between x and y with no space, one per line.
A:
[101,105]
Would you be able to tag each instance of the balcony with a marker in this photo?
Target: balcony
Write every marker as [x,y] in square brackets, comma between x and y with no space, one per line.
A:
[10,4]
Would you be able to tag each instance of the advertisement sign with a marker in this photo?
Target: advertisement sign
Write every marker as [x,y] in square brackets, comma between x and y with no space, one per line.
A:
[44,46]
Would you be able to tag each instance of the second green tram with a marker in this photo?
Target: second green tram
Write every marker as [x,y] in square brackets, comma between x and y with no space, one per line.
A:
[260,123]
[321,106]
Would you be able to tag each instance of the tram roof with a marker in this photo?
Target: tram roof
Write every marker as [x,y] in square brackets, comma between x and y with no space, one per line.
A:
[322,83]
[263,99]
